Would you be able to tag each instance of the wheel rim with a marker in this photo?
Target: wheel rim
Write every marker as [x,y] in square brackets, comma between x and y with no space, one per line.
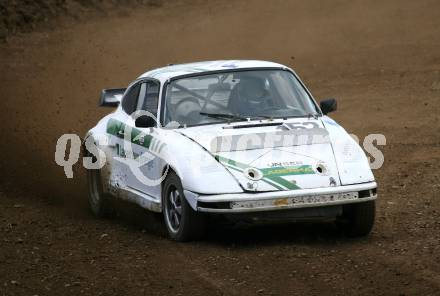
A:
[173,209]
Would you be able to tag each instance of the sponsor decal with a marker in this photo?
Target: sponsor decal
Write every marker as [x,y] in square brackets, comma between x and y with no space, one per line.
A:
[284,164]
[287,171]
[272,175]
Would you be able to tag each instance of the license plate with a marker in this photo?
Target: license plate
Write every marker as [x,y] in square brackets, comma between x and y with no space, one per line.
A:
[324,198]
[297,200]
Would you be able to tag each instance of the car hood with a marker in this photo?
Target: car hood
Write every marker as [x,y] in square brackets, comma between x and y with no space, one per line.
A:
[282,155]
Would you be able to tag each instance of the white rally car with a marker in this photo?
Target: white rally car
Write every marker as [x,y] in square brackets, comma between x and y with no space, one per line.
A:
[241,139]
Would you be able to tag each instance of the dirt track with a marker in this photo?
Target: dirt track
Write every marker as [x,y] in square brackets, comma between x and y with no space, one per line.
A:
[380,60]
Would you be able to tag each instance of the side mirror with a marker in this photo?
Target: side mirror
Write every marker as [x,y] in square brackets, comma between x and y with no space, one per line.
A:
[111,97]
[328,105]
[145,121]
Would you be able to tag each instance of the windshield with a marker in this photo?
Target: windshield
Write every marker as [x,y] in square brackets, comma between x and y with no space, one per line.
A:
[236,96]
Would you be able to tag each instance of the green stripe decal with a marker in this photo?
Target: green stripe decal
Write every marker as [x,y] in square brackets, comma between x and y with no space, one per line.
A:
[267,180]
[114,126]
[276,184]
[282,182]
[272,176]
[230,162]
[117,128]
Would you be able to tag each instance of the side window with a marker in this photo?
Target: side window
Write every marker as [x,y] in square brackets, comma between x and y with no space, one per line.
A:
[130,99]
[151,100]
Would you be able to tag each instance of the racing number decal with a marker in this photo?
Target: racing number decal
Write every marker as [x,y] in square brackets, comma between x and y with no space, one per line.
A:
[301,125]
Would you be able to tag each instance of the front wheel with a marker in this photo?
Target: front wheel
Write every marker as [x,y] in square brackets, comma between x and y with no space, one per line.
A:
[358,219]
[182,222]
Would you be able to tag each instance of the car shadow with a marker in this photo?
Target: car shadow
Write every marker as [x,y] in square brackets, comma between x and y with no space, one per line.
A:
[299,233]
[139,219]
[225,234]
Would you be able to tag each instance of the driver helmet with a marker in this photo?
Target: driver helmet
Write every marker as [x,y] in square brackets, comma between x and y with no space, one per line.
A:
[252,89]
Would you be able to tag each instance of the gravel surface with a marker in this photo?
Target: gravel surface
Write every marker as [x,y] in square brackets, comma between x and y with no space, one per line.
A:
[381,60]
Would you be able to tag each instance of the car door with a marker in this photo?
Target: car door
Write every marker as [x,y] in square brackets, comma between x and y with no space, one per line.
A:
[115,131]
[145,169]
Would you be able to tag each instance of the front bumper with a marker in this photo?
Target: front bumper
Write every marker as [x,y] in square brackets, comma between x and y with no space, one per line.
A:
[281,200]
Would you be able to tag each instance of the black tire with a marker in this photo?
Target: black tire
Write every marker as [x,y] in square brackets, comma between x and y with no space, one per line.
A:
[100,203]
[358,219]
[182,222]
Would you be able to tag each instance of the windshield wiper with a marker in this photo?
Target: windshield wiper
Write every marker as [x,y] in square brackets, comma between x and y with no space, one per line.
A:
[258,116]
[308,115]
[224,115]
[314,115]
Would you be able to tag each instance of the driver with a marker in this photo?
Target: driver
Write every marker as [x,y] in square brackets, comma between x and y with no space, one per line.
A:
[250,96]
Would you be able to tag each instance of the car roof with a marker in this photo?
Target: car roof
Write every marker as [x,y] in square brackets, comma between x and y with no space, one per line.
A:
[171,71]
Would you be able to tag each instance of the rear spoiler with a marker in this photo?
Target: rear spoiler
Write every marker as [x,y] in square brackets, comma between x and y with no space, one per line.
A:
[111,97]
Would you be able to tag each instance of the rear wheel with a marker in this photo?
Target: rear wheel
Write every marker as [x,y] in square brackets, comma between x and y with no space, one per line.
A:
[358,218]
[99,202]
[182,222]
